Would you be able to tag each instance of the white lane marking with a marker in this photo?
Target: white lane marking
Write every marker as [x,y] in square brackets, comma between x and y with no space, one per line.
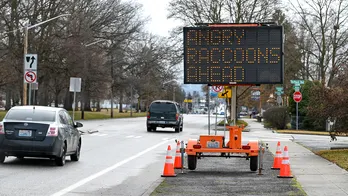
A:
[130,136]
[165,138]
[96,175]
[137,137]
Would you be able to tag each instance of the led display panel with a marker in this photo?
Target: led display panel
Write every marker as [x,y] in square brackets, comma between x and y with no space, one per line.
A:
[233,55]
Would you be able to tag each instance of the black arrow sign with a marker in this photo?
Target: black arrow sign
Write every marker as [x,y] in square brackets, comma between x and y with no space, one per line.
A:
[32,61]
[225,93]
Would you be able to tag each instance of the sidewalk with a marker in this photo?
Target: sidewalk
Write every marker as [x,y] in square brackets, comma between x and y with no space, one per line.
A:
[316,175]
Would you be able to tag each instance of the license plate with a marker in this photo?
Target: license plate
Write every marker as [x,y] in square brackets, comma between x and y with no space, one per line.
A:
[24,133]
[215,144]
[161,122]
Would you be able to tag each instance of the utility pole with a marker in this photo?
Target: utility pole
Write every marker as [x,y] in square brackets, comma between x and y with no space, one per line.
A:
[131,108]
[112,87]
[83,87]
[24,101]
[84,80]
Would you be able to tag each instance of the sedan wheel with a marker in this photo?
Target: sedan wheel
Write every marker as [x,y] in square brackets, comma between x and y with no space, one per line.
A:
[60,161]
[76,156]
[2,157]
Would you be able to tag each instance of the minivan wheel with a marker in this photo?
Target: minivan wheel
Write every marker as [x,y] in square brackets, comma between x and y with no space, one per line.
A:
[76,156]
[2,157]
[60,161]
[177,129]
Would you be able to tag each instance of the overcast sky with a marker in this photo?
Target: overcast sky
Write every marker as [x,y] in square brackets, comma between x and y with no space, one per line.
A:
[157,11]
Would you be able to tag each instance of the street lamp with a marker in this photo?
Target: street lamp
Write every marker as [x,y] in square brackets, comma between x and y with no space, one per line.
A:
[84,67]
[26,28]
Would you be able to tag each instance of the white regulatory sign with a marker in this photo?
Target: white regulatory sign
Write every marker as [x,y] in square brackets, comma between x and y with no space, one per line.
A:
[75,84]
[30,62]
[30,76]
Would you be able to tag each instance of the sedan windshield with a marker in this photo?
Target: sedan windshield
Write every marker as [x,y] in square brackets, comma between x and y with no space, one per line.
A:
[31,115]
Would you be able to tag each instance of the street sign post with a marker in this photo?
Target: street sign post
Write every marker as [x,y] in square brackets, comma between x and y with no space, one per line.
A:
[297,88]
[30,71]
[30,77]
[30,62]
[279,88]
[35,88]
[217,88]
[75,86]
[279,100]
[226,93]
[213,94]
[255,95]
[297,82]
[297,96]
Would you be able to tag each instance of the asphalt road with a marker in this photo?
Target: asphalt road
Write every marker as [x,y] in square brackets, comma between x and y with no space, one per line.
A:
[122,158]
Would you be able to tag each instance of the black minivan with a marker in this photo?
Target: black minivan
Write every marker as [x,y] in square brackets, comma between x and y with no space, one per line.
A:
[164,113]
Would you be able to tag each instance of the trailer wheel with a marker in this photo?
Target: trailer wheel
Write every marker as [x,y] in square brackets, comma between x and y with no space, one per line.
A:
[253,163]
[192,162]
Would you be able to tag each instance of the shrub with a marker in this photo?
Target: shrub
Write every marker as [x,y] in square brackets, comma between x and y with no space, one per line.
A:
[239,122]
[277,117]
[242,122]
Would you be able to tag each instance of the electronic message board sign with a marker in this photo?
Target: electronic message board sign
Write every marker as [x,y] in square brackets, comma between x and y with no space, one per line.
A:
[233,55]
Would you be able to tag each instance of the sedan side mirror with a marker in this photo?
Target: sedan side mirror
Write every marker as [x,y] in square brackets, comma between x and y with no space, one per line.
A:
[78,124]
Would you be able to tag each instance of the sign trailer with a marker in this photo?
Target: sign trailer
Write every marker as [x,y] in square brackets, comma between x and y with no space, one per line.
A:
[231,55]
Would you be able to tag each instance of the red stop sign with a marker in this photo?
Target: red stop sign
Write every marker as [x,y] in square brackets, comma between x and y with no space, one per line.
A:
[297,96]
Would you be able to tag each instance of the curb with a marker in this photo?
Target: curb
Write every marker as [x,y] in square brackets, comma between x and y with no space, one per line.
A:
[339,148]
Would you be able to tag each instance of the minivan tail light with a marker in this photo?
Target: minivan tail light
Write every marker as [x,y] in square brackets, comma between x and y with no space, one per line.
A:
[176,116]
[52,131]
[148,114]
[2,131]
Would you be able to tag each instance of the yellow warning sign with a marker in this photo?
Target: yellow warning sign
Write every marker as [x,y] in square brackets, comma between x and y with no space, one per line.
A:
[226,93]
[188,100]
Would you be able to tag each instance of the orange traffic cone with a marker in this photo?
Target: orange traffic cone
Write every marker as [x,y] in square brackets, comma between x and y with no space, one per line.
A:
[277,162]
[177,161]
[168,170]
[285,167]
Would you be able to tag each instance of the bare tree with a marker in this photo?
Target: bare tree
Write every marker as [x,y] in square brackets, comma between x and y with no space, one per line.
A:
[244,11]
[326,23]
